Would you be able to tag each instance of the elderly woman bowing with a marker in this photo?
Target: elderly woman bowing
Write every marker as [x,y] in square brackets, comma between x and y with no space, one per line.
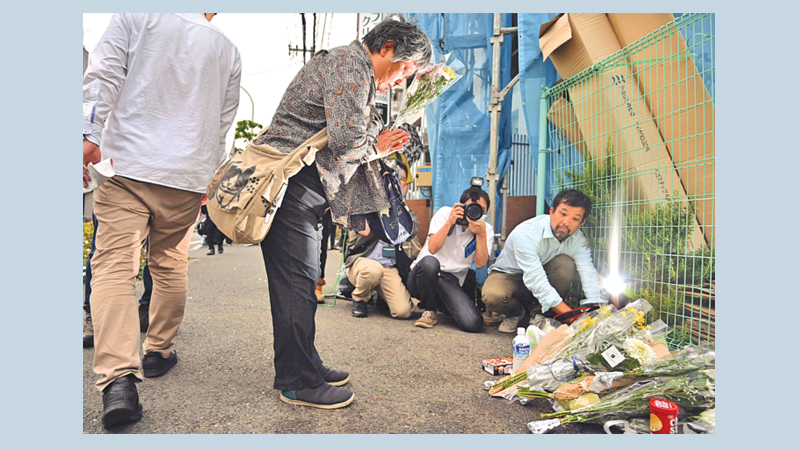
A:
[335,89]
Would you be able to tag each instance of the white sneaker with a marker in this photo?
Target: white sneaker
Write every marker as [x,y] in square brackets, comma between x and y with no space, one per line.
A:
[509,324]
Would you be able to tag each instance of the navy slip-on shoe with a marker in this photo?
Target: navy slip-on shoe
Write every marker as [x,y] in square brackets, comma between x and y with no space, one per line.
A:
[334,377]
[323,396]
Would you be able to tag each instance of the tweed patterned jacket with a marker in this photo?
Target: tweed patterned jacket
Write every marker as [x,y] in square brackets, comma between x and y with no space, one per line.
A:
[336,88]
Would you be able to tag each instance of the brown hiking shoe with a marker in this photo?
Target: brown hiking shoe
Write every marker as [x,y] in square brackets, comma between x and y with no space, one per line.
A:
[318,291]
[490,318]
[88,330]
[428,319]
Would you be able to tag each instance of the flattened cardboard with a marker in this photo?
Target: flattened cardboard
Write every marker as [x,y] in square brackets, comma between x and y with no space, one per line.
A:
[610,106]
[681,105]
[576,41]
[562,116]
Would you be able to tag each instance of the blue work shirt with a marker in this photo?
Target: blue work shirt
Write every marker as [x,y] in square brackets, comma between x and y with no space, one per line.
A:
[532,245]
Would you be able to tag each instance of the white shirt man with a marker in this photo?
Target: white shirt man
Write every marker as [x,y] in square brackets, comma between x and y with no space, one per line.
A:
[159,95]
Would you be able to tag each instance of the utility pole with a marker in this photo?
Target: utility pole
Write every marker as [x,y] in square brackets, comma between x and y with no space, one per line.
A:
[314,40]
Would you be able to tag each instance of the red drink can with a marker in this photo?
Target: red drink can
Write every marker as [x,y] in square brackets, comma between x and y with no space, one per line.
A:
[663,416]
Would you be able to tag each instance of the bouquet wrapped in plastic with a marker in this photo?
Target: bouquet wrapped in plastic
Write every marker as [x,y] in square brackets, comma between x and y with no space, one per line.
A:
[606,340]
[692,392]
[687,359]
[427,86]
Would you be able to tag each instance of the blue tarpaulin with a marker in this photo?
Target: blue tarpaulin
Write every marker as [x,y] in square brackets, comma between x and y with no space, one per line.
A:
[458,122]
[534,75]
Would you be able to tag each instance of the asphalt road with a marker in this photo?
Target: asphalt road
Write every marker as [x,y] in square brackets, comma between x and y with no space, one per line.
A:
[407,380]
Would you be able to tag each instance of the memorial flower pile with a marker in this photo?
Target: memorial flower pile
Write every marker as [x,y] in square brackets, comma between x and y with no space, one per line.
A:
[606,366]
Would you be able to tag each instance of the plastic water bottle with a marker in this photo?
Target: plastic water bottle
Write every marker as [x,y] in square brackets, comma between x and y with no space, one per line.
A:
[521,348]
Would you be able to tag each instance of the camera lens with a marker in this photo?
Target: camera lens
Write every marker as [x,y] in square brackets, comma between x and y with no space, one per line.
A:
[473,211]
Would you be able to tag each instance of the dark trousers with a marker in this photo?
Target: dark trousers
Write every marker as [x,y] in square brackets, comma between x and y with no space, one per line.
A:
[212,233]
[424,283]
[291,253]
[328,230]
[148,281]
[87,282]
[327,226]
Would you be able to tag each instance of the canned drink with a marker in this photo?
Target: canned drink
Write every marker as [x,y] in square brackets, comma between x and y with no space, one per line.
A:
[663,416]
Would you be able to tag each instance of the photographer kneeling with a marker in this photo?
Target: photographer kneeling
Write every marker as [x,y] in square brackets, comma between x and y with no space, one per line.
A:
[458,236]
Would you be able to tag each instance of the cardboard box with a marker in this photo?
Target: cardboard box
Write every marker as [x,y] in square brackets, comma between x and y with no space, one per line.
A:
[681,105]
[562,116]
[498,366]
[423,176]
[610,109]
[576,41]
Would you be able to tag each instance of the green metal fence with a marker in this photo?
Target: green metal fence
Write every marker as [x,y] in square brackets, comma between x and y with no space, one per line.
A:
[636,132]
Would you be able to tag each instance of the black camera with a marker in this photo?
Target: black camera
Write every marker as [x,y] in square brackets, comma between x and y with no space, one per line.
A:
[472,209]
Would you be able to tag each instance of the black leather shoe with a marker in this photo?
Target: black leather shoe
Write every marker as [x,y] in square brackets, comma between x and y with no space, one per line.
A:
[359,309]
[220,250]
[121,402]
[323,396]
[210,251]
[144,316]
[334,377]
[155,365]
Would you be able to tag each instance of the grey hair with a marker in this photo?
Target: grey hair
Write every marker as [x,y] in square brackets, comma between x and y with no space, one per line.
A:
[411,43]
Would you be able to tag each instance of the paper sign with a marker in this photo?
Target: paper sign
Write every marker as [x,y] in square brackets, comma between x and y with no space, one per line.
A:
[612,356]
[99,173]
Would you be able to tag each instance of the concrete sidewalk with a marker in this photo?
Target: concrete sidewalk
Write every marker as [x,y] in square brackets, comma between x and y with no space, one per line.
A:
[406,379]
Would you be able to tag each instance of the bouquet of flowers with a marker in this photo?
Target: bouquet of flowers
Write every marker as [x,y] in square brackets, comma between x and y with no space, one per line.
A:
[687,359]
[597,340]
[693,392]
[427,86]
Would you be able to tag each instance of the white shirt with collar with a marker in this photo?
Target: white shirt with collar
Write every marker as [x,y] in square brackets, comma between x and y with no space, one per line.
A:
[458,251]
[531,245]
[172,83]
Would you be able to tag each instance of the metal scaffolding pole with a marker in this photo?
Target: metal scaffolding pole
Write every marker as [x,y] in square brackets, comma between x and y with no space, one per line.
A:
[494,110]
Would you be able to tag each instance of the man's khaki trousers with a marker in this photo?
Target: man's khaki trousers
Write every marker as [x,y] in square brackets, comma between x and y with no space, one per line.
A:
[127,212]
[503,293]
[367,274]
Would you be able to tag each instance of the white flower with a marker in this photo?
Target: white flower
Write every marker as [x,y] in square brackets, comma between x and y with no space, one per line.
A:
[638,350]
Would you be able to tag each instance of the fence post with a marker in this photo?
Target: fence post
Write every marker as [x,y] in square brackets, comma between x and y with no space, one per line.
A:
[541,166]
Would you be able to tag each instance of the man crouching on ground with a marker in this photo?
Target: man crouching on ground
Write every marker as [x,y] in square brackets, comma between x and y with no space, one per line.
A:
[541,259]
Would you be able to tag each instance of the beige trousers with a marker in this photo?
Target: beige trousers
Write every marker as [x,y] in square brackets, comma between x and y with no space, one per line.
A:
[367,274]
[127,213]
[503,292]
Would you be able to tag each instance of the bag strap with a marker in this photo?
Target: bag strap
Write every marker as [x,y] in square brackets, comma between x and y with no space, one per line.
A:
[318,141]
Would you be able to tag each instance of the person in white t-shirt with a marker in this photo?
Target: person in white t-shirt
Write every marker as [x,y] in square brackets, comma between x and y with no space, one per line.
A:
[172,83]
[444,262]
